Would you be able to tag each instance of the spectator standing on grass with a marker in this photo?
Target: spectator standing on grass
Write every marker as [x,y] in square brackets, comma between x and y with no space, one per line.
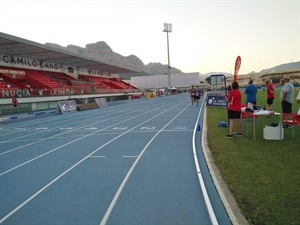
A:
[15,103]
[270,95]
[298,101]
[234,100]
[287,95]
[251,92]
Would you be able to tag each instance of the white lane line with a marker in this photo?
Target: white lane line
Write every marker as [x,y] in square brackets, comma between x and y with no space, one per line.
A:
[209,207]
[98,131]
[79,162]
[97,156]
[148,128]
[55,149]
[179,128]
[118,193]
[30,134]
[123,156]
[120,128]
[68,131]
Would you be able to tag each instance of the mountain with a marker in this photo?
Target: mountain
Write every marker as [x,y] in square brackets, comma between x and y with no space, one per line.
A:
[102,52]
[158,68]
[287,67]
[293,66]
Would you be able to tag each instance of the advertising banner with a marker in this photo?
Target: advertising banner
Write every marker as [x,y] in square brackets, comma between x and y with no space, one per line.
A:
[101,102]
[66,106]
[216,100]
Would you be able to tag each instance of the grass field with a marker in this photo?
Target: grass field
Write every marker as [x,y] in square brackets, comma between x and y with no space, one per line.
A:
[263,175]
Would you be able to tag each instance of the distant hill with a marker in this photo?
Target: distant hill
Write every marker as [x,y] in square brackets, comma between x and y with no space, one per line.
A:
[102,52]
[287,67]
[293,66]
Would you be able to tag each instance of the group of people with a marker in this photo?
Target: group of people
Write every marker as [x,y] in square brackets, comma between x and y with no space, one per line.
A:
[234,100]
[196,94]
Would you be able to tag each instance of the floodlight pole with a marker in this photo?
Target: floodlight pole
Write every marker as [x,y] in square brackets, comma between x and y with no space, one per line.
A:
[167,29]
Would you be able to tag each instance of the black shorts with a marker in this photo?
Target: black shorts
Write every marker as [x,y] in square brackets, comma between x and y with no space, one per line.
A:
[233,114]
[270,101]
[286,107]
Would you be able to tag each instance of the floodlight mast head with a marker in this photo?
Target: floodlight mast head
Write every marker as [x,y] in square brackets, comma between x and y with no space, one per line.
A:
[167,27]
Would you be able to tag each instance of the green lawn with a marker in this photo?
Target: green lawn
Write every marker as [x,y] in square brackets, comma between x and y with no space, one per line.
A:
[263,175]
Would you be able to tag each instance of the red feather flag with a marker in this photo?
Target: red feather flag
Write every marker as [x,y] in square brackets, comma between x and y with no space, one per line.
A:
[238,62]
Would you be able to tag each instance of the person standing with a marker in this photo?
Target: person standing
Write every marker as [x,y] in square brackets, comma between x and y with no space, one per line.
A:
[193,94]
[270,95]
[251,92]
[197,95]
[15,103]
[234,100]
[298,101]
[287,95]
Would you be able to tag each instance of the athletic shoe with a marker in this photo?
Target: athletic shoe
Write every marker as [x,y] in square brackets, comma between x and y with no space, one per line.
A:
[239,134]
[228,136]
[287,125]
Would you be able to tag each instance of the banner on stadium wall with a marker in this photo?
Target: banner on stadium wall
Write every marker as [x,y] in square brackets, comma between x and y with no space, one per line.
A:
[66,107]
[216,100]
[101,102]
[26,63]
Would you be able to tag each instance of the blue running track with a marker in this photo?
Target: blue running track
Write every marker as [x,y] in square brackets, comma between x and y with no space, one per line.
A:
[130,163]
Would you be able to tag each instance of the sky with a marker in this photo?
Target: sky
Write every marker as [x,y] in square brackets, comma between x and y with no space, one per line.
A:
[207,35]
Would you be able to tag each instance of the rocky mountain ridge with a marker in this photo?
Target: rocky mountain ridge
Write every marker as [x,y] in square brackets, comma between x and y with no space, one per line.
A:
[103,52]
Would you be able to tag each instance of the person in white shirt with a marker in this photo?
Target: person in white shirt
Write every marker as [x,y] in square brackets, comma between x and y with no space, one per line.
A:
[287,95]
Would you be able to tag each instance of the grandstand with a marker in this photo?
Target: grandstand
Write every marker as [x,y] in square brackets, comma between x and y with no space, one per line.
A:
[41,75]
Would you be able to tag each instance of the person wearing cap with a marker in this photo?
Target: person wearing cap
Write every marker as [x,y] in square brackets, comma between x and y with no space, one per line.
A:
[287,95]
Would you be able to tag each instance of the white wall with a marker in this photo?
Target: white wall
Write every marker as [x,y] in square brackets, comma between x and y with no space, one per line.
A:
[161,81]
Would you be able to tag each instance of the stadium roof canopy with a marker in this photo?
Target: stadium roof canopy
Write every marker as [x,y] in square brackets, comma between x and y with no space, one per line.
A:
[19,47]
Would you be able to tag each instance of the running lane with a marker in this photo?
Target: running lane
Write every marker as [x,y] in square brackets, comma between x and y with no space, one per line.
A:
[129,163]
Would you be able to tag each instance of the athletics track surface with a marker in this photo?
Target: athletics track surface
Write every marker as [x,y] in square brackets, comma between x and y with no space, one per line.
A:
[130,163]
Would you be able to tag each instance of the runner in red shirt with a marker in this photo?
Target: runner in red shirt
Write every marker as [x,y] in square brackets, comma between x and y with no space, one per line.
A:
[15,103]
[193,94]
[234,100]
